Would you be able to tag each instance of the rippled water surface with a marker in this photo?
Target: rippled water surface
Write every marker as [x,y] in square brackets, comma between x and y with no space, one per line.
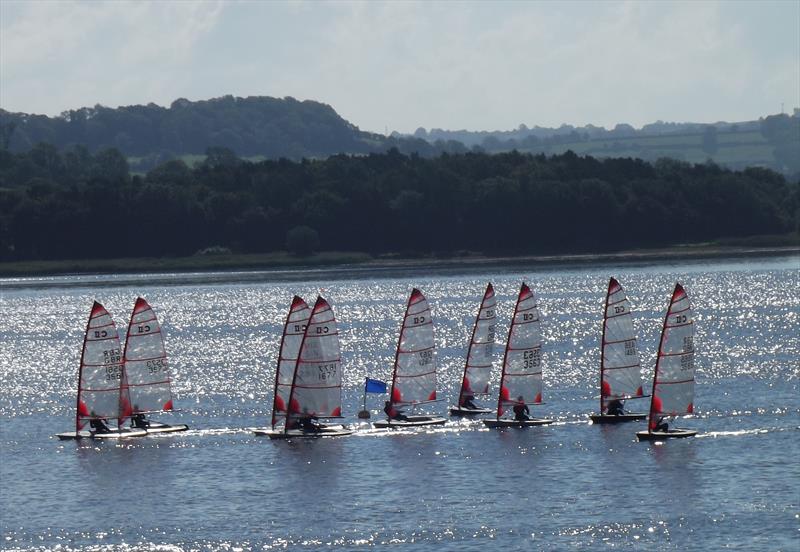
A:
[568,486]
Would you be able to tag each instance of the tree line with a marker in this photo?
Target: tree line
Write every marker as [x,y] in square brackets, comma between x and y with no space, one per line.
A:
[75,204]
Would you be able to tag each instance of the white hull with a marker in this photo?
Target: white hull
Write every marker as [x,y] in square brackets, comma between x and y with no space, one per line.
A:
[516,423]
[611,419]
[123,433]
[156,427]
[461,411]
[676,433]
[413,421]
[336,431]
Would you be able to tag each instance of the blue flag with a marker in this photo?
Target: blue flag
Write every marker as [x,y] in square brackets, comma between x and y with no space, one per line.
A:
[374,386]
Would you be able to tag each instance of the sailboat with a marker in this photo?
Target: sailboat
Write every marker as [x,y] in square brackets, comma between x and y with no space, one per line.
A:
[478,365]
[521,379]
[146,385]
[291,339]
[673,380]
[100,381]
[414,375]
[620,370]
[316,383]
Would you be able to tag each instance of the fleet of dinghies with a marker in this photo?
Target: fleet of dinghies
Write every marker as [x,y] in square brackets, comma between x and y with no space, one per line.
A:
[118,385]
[121,386]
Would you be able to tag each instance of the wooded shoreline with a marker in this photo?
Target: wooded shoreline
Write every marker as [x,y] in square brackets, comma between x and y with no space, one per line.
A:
[347,261]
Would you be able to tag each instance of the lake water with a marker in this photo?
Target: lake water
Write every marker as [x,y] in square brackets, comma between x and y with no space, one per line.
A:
[568,486]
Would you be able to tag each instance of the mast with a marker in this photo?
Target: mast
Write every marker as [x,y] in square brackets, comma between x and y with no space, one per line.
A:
[293,330]
[317,381]
[478,364]
[673,380]
[414,376]
[522,359]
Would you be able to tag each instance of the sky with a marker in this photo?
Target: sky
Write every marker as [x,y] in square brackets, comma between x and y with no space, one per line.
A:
[397,66]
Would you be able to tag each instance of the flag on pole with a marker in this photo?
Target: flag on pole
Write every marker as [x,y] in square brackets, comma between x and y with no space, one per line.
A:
[374,386]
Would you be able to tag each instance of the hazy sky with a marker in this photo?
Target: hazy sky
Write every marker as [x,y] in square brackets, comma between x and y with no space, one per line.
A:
[401,65]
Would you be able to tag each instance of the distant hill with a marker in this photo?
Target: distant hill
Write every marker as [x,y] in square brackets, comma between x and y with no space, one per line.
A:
[772,142]
[253,127]
[260,127]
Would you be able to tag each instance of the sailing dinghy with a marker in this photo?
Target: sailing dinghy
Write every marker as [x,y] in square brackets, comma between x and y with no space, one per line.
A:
[620,370]
[414,375]
[478,365]
[316,384]
[673,381]
[291,339]
[146,384]
[100,380]
[521,379]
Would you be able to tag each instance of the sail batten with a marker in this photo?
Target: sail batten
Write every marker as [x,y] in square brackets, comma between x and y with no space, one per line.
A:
[414,372]
[620,367]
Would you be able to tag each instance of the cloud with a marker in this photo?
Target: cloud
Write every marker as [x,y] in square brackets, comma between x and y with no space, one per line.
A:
[69,54]
[407,64]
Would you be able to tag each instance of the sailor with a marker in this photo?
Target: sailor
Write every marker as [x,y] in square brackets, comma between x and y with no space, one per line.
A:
[662,425]
[99,425]
[467,402]
[521,410]
[139,421]
[615,408]
[393,413]
[309,424]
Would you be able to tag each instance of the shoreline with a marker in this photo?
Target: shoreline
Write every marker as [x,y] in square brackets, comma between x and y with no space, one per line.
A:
[337,262]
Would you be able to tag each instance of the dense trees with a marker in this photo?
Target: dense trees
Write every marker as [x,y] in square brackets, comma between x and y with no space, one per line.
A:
[77,204]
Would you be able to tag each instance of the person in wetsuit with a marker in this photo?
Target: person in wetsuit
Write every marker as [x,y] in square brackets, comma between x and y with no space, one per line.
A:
[521,410]
[467,402]
[393,413]
[139,421]
[615,408]
[98,425]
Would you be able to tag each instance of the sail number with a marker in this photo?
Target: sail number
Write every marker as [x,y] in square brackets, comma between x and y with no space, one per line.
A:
[113,372]
[490,333]
[425,358]
[143,328]
[299,328]
[528,317]
[327,371]
[680,319]
[531,358]
[619,309]
[156,365]
[630,347]
[112,360]
[419,320]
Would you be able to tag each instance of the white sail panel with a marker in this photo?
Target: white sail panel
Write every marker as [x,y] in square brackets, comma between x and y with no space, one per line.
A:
[99,379]
[521,380]
[414,378]
[147,386]
[317,386]
[478,367]
[292,338]
[620,372]
[673,384]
